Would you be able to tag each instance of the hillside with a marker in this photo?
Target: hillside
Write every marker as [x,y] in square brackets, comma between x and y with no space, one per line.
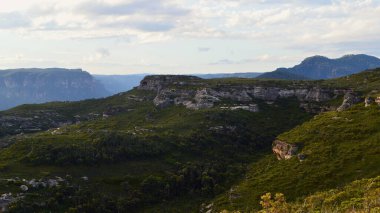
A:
[320,67]
[281,74]
[176,142]
[336,148]
[20,86]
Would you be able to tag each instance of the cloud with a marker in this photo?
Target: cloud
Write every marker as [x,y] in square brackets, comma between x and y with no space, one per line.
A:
[156,7]
[245,27]
[289,23]
[204,49]
[146,26]
[260,58]
[98,55]
[13,20]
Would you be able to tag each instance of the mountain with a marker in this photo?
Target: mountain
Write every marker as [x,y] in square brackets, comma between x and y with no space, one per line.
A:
[320,67]
[186,144]
[282,73]
[20,86]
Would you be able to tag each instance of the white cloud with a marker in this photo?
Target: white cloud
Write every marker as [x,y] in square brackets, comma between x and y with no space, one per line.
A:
[98,55]
[295,27]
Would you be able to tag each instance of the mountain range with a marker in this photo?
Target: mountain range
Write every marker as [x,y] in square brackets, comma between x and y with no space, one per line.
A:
[22,86]
[320,67]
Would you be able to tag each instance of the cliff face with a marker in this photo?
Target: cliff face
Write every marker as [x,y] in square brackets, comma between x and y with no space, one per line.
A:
[43,85]
[193,93]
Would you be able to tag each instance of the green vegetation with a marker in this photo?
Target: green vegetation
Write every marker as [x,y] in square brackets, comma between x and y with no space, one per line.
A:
[359,196]
[142,158]
[339,148]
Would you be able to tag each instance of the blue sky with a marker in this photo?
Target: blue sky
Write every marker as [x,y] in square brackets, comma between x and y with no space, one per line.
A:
[183,36]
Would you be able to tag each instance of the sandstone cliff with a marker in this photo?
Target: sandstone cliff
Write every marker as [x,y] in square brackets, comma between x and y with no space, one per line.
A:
[195,93]
[23,86]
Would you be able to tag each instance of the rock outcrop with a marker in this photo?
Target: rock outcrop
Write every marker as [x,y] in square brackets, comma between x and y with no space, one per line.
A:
[157,82]
[368,101]
[193,93]
[283,150]
[349,100]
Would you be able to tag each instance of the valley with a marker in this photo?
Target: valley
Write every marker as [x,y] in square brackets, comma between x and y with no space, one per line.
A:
[182,143]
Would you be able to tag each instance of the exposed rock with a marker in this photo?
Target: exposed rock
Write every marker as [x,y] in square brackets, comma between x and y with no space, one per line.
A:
[378,101]
[195,94]
[24,188]
[221,129]
[52,183]
[283,150]
[233,195]
[368,101]
[348,101]
[157,82]
[250,108]
[5,200]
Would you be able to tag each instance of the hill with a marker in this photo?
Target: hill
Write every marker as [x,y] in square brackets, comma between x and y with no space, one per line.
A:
[20,86]
[281,74]
[176,142]
[320,67]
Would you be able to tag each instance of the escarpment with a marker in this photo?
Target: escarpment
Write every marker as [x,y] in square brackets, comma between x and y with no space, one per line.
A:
[195,93]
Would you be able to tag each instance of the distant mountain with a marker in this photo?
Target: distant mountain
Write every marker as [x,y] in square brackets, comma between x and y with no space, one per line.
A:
[229,75]
[281,73]
[119,83]
[21,86]
[320,67]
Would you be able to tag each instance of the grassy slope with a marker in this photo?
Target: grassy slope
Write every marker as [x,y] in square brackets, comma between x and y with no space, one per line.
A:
[340,147]
[359,196]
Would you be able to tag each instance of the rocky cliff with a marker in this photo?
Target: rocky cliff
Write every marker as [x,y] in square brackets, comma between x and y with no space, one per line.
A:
[195,93]
[22,86]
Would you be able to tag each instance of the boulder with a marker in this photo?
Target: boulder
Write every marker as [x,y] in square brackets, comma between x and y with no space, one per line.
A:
[349,100]
[24,188]
[283,150]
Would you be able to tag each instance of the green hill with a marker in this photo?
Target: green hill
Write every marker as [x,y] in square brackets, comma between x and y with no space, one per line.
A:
[340,147]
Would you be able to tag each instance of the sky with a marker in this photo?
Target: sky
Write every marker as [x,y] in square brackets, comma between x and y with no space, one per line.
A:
[183,36]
